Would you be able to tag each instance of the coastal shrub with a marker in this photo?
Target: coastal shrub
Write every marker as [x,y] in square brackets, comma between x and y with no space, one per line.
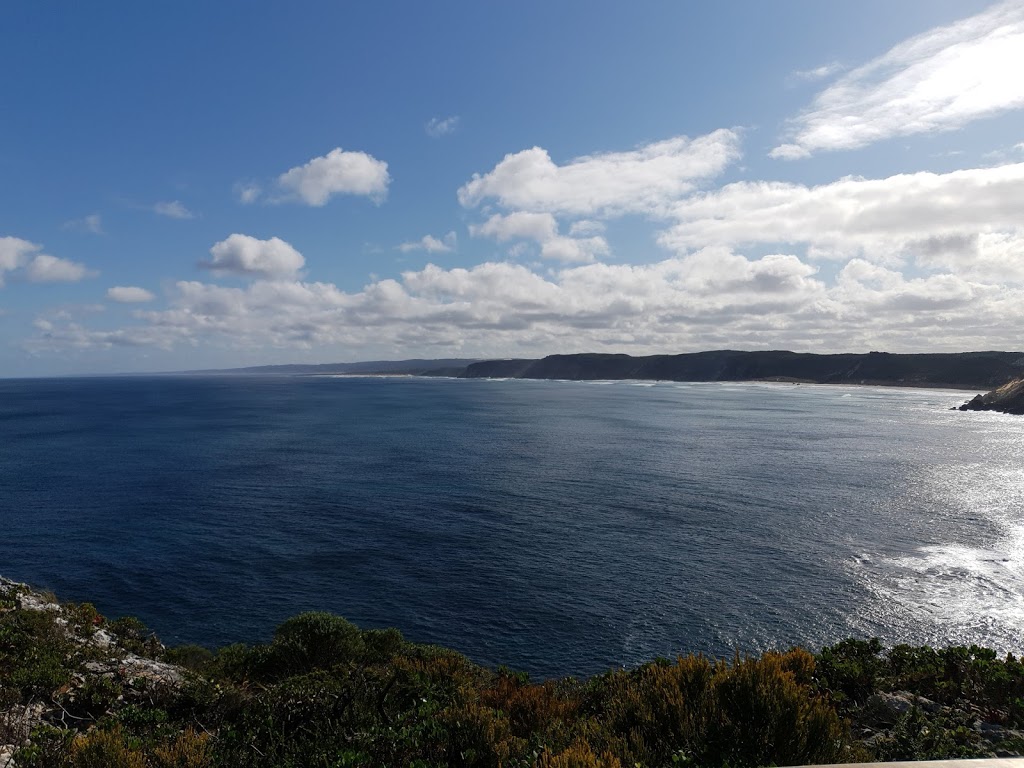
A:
[920,736]
[134,636]
[50,748]
[34,652]
[83,618]
[850,669]
[93,699]
[578,755]
[239,662]
[314,640]
[766,716]
[381,645]
[751,712]
[530,708]
[188,750]
[104,748]
[194,657]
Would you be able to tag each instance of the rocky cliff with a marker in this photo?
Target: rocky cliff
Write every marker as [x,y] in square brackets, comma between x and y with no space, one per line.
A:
[1008,398]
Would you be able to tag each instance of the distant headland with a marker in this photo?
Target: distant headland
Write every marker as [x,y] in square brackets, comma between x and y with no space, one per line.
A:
[958,370]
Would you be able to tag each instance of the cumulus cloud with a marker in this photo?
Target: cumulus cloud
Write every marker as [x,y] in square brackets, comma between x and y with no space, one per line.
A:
[44,268]
[14,253]
[710,298]
[437,127]
[250,257]
[336,173]
[129,294]
[638,181]
[174,209]
[92,224]
[542,228]
[937,81]
[24,259]
[968,220]
[431,244]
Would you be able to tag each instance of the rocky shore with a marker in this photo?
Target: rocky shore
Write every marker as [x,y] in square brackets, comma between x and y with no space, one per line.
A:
[1008,398]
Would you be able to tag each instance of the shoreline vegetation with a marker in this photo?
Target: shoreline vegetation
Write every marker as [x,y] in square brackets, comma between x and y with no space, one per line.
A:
[78,690]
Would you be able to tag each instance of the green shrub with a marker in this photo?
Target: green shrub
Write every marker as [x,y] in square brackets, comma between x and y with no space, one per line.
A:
[314,640]
[381,645]
[35,652]
[851,669]
[50,748]
[920,736]
[194,657]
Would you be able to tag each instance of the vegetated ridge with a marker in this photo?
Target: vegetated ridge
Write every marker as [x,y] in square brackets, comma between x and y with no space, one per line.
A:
[80,691]
[961,370]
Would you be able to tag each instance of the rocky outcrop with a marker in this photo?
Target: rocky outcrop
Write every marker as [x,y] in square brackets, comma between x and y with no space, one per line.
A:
[101,666]
[1008,398]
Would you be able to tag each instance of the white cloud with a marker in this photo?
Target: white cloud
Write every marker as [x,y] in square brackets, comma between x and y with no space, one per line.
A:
[174,209]
[336,173]
[248,192]
[543,229]
[129,294]
[14,253]
[936,81]
[818,73]
[92,224]
[23,258]
[639,181]
[44,268]
[248,256]
[519,224]
[968,219]
[437,127]
[431,244]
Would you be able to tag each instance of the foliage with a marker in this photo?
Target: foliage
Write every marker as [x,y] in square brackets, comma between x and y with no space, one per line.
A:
[324,693]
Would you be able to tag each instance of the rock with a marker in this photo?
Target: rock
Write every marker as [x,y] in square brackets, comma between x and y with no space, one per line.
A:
[1008,398]
[102,639]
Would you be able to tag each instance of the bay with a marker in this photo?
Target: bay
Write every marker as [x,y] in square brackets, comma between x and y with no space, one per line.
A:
[555,527]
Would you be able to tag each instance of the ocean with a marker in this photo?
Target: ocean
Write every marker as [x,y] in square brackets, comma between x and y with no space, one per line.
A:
[559,528]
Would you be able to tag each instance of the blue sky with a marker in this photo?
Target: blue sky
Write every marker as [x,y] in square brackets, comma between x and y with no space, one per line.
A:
[215,184]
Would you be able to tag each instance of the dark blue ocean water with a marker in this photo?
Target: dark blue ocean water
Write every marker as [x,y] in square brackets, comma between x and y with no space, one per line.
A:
[556,527]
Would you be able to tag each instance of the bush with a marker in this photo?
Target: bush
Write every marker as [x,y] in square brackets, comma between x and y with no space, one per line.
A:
[314,640]
[193,657]
[34,652]
[105,749]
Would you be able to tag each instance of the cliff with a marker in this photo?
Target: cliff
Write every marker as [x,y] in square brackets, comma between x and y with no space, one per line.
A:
[1008,398]
[965,370]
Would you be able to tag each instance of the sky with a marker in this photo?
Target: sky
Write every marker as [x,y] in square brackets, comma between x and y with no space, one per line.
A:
[194,185]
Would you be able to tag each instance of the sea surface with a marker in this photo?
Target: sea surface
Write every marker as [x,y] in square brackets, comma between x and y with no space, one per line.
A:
[554,527]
